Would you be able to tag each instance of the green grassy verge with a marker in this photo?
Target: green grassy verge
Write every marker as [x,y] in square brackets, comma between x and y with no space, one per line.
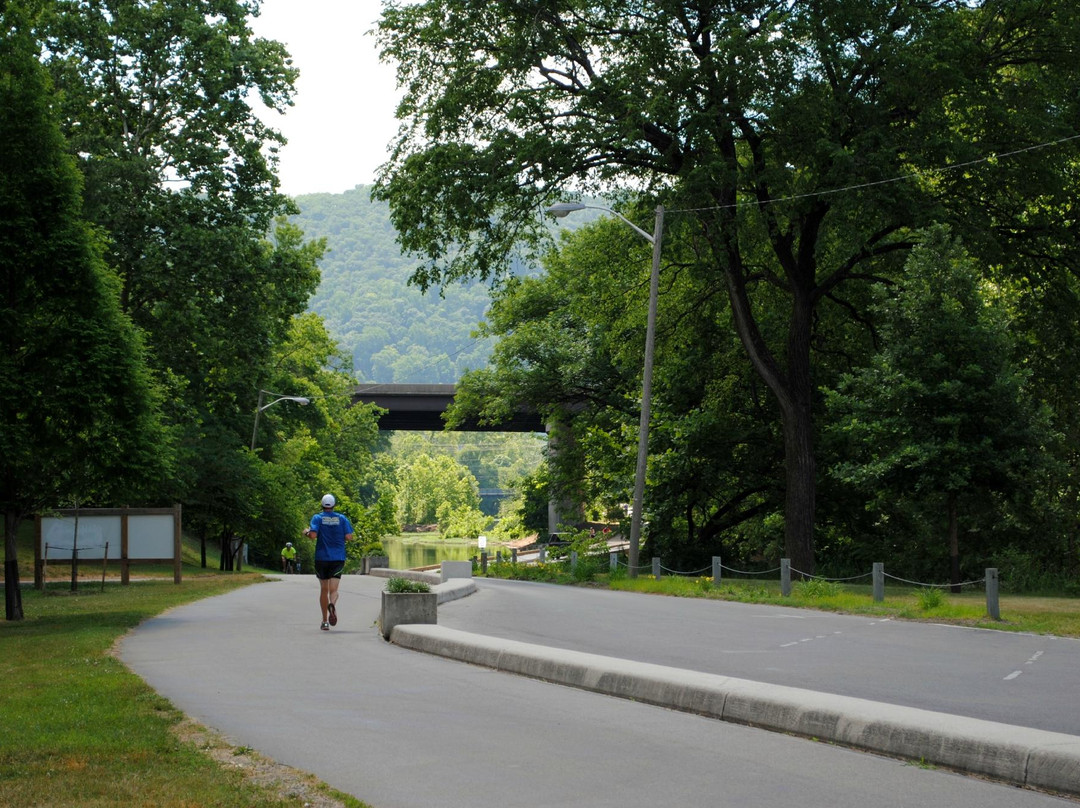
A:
[77,728]
[1059,616]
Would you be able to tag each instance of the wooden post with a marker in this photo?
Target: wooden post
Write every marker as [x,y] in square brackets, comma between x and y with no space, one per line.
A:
[656,568]
[125,562]
[716,570]
[879,581]
[104,565]
[39,568]
[177,528]
[785,577]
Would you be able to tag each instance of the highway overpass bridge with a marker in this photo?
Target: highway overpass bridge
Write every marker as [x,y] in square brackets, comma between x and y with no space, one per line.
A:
[420,407]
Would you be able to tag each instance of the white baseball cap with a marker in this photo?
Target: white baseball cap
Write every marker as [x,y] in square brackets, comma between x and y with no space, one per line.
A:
[328,501]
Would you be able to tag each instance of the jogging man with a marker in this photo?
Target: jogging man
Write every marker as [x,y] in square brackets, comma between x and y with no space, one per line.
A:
[330,530]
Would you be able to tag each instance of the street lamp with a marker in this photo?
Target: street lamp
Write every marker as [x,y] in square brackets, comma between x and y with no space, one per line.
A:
[559,210]
[260,407]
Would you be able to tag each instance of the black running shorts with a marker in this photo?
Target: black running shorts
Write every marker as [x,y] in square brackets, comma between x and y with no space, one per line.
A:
[324,570]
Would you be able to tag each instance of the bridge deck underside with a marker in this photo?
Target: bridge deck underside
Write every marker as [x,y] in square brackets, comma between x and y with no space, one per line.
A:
[420,408]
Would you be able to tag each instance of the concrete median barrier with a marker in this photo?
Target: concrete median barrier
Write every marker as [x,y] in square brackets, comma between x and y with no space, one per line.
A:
[1017,755]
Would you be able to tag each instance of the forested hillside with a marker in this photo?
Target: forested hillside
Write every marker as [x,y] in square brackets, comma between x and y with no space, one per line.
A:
[393,332]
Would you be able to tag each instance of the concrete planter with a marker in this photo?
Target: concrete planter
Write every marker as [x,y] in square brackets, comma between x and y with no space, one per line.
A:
[400,608]
[368,563]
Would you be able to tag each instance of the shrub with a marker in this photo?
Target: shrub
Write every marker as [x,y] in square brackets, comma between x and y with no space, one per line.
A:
[816,589]
[929,598]
[399,585]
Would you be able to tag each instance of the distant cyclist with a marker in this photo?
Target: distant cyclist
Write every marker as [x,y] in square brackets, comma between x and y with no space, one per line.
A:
[288,558]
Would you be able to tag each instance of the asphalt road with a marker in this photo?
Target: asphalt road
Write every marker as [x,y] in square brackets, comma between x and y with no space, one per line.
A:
[398,728]
[1022,679]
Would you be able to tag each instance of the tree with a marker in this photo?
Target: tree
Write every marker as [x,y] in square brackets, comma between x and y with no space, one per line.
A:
[156,102]
[79,414]
[428,482]
[942,412]
[793,137]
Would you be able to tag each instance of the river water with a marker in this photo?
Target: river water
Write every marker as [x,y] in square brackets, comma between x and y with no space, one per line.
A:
[411,554]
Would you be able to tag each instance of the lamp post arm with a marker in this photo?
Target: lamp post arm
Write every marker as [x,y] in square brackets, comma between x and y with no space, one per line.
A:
[653,239]
[561,209]
[260,407]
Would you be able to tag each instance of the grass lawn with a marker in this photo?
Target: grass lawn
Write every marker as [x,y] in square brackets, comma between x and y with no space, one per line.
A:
[77,728]
[1059,616]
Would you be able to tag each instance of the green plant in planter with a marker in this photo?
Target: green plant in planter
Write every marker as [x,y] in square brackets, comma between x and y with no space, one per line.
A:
[399,585]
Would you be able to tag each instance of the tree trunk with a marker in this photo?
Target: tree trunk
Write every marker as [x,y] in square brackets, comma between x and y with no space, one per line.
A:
[800,475]
[954,544]
[793,389]
[800,465]
[12,593]
[226,551]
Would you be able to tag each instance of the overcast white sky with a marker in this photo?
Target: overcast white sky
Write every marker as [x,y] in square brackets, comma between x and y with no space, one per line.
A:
[343,117]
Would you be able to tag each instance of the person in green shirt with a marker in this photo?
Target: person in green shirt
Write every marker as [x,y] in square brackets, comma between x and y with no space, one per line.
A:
[288,558]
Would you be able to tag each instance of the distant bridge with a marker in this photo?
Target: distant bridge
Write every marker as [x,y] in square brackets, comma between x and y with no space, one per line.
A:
[420,407]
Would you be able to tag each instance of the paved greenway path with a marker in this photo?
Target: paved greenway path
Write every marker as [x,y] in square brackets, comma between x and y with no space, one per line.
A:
[398,728]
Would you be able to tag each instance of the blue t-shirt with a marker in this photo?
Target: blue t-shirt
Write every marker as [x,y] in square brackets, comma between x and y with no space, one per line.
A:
[332,528]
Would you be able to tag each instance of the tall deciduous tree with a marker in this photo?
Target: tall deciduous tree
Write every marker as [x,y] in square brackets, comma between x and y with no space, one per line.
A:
[78,412]
[942,413]
[780,129]
[180,172]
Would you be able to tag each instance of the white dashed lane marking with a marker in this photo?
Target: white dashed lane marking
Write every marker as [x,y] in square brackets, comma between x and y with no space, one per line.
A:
[1032,661]
[809,639]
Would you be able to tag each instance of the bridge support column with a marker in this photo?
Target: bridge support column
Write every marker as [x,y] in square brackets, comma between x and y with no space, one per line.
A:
[564,508]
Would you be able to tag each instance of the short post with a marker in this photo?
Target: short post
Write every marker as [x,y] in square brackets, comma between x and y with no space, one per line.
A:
[613,561]
[498,556]
[513,556]
[879,581]
[785,577]
[992,607]
[573,559]
[483,562]
[716,570]
[656,568]
[104,565]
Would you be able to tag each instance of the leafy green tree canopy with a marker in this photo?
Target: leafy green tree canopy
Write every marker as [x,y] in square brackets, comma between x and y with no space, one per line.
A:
[778,130]
[942,412]
[79,413]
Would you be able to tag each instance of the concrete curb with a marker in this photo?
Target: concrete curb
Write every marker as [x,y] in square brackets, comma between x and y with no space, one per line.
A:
[1017,755]
[447,591]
